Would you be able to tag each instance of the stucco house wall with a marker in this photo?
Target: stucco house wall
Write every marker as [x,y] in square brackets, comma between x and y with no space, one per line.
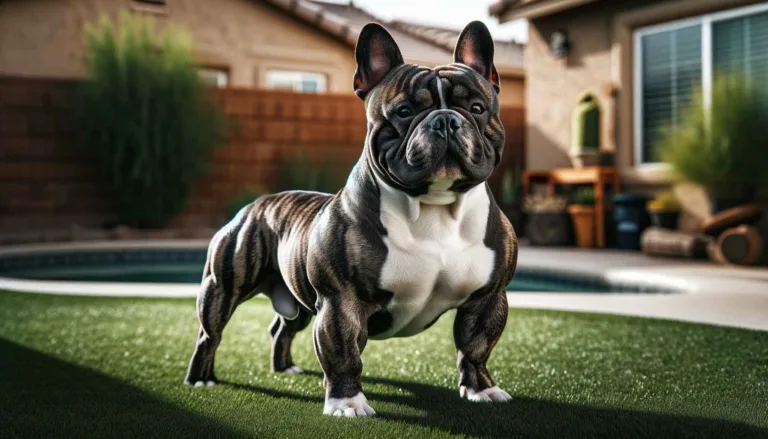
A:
[512,91]
[44,38]
[247,38]
[600,61]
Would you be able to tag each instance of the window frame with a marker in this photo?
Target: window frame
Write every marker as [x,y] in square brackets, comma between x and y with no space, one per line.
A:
[221,74]
[706,21]
[322,84]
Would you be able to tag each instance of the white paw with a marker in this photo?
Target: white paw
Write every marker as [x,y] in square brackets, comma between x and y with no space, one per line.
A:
[349,407]
[293,370]
[491,394]
[205,383]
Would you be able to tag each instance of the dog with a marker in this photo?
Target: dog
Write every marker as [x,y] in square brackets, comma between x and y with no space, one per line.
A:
[415,231]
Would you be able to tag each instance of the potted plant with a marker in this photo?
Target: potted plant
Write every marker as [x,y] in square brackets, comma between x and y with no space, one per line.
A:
[585,132]
[722,147]
[664,210]
[509,199]
[547,221]
[582,211]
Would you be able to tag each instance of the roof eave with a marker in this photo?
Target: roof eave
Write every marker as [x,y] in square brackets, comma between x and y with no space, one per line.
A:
[320,19]
[504,11]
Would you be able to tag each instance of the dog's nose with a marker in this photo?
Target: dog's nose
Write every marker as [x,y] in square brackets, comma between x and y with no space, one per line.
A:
[445,124]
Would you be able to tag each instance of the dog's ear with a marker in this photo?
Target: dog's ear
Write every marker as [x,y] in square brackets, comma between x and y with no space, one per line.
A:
[376,54]
[475,49]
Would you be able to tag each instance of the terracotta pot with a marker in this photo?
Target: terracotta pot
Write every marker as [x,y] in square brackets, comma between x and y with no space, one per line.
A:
[583,224]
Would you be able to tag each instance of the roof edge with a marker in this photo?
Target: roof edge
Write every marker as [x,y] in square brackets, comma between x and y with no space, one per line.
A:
[505,10]
[314,15]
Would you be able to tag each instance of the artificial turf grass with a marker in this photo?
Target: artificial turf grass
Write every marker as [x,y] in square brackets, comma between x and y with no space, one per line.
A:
[101,367]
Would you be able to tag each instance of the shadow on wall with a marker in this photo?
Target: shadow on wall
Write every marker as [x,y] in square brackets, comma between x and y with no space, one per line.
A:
[543,152]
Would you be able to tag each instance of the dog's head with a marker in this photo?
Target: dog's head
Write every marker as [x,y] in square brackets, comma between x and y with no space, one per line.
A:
[431,132]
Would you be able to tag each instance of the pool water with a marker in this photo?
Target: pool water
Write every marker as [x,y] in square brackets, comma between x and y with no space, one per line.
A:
[186,266]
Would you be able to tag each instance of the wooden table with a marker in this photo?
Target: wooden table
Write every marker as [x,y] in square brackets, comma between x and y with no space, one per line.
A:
[597,176]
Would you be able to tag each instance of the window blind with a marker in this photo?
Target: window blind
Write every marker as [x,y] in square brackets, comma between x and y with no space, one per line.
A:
[740,45]
[671,75]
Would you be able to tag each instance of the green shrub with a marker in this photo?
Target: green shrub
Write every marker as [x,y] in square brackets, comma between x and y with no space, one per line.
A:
[724,149]
[297,171]
[145,117]
[243,199]
[584,196]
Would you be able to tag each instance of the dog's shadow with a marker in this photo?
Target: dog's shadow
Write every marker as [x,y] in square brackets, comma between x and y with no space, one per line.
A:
[443,410]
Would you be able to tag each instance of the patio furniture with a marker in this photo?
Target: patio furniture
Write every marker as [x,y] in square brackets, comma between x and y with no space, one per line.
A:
[596,176]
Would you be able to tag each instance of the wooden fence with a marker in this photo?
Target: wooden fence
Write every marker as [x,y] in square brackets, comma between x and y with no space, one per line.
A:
[47,183]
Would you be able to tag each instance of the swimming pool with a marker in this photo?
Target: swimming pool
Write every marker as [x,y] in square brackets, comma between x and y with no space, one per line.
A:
[185,265]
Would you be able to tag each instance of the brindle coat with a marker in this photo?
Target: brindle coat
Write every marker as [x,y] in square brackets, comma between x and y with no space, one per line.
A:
[330,249]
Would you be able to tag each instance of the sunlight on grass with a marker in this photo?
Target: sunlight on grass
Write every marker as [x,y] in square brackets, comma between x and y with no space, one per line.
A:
[568,373]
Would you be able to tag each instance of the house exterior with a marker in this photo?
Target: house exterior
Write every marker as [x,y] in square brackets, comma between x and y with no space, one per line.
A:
[645,60]
[300,45]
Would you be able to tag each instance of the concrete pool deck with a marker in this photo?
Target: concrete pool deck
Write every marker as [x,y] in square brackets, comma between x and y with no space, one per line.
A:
[712,294]
[709,293]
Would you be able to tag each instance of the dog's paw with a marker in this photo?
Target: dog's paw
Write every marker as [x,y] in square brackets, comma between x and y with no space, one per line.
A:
[349,407]
[293,370]
[491,394]
[209,383]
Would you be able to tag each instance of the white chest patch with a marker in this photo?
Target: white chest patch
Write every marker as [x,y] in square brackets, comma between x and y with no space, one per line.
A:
[436,256]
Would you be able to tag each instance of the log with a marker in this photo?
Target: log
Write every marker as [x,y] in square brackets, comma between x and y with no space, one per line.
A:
[740,245]
[664,242]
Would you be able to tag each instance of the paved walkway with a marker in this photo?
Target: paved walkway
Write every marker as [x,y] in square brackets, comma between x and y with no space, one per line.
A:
[719,295]
[709,293]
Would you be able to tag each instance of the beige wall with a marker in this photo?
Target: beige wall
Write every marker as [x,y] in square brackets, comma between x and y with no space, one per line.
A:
[44,38]
[601,36]
[512,91]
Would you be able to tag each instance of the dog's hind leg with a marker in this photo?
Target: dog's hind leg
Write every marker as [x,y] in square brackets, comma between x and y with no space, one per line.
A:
[283,331]
[214,314]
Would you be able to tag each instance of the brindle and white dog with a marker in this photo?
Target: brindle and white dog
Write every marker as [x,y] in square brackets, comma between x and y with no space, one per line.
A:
[414,233]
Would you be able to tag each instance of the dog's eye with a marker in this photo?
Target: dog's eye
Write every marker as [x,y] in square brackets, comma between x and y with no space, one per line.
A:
[477,109]
[404,111]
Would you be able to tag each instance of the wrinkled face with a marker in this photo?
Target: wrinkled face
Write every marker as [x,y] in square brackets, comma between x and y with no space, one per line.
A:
[432,131]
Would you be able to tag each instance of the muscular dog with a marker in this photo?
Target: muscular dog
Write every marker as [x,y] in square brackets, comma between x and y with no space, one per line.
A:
[414,233]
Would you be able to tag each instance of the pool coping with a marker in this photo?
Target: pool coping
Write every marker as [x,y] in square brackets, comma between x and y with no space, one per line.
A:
[702,293]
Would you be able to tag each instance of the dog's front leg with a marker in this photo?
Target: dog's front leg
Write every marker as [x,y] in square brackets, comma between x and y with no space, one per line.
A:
[478,326]
[340,334]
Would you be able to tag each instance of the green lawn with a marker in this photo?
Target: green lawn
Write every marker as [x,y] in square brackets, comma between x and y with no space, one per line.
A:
[102,367]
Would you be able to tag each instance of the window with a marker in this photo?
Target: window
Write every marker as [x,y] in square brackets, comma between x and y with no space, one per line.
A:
[151,6]
[214,77]
[301,82]
[674,61]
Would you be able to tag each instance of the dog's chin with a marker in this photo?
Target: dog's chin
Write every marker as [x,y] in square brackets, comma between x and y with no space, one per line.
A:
[438,198]
[439,192]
